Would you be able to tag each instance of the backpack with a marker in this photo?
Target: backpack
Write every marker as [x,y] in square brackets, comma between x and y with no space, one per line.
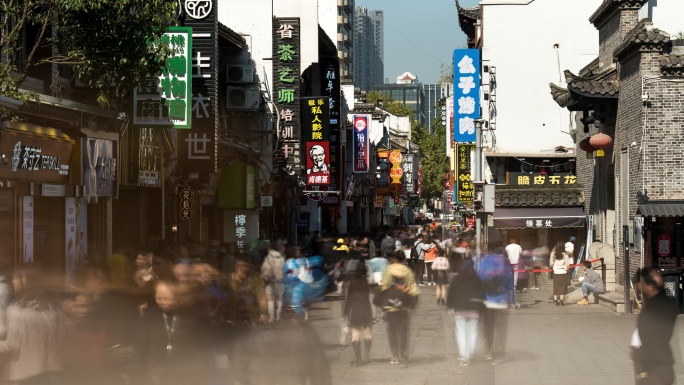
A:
[414,251]
[350,267]
[395,298]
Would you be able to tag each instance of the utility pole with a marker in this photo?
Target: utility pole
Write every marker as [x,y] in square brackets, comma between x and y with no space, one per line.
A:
[478,180]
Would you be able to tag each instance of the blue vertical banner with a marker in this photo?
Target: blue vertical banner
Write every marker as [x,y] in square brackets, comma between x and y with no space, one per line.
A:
[361,144]
[466,93]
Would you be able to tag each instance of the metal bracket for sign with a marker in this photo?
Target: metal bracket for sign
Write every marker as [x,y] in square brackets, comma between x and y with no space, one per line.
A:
[308,192]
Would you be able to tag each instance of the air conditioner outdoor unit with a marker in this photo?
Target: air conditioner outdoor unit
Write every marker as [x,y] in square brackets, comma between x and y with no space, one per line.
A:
[243,98]
[239,74]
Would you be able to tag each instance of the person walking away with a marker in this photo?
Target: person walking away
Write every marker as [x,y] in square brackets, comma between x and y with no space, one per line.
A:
[592,284]
[387,245]
[375,271]
[651,352]
[272,273]
[400,292]
[420,248]
[513,251]
[430,255]
[464,303]
[559,263]
[440,272]
[359,316]
[497,279]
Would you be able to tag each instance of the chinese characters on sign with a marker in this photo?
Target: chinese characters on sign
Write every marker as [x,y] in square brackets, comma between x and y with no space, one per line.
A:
[331,89]
[286,84]
[240,231]
[464,190]
[35,158]
[407,165]
[466,99]
[164,100]
[519,179]
[360,143]
[538,223]
[316,131]
[197,146]
[185,204]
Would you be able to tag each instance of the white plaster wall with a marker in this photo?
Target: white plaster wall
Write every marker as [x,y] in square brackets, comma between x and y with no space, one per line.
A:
[667,15]
[327,18]
[254,18]
[518,37]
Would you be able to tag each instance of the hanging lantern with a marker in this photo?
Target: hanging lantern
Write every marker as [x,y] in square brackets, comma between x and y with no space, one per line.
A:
[599,142]
[586,147]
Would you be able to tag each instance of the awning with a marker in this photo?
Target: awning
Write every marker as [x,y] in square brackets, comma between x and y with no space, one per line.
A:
[538,217]
[661,209]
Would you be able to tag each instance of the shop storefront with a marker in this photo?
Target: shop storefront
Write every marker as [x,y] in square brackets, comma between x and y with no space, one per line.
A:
[540,226]
[46,224]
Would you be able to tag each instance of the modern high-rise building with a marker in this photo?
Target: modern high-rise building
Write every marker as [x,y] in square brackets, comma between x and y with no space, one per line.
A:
[409,91]
[345,37]
[368,46]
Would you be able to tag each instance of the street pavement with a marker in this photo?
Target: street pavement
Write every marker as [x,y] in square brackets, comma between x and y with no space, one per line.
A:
[546,345]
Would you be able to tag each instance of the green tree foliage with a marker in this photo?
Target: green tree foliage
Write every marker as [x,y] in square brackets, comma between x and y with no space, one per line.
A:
[432,157]
[104,41]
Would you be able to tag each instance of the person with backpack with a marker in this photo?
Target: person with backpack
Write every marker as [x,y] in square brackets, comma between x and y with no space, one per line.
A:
[430,254]
[465,305]
[399,295]
[418,257]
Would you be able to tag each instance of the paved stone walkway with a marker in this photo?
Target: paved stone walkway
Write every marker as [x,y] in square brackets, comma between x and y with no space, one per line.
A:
[546,345]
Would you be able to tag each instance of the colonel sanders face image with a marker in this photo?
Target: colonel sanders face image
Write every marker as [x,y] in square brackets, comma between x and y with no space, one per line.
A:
[317,155]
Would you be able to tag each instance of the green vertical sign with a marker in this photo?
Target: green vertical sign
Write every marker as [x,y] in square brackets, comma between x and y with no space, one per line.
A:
[166,99]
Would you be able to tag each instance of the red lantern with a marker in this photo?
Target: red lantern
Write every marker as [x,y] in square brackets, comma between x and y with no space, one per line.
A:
[585,146]
[600,141]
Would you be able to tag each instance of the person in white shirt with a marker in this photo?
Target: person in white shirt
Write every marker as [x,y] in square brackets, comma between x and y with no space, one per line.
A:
[513,250]
[570,251]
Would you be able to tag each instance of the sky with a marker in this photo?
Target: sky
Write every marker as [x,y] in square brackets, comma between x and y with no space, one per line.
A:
[420,35]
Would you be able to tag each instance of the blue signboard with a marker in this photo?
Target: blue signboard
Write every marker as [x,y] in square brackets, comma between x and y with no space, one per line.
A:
[466,93]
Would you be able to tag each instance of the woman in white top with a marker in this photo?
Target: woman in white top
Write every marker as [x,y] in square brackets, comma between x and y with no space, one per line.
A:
[559,262]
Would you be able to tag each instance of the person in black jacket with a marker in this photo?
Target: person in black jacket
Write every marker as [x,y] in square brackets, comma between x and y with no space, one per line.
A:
[651,352]
[464,302]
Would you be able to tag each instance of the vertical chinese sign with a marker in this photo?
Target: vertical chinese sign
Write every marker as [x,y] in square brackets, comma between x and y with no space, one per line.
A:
[463,185]
[407,165]
[330,81]
[197,147]
[242,228]
[164,100]
[361,144]
[286,92]
[315,134]
[466,93]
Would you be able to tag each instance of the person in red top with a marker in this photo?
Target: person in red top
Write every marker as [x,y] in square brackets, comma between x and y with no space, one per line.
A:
[430,255]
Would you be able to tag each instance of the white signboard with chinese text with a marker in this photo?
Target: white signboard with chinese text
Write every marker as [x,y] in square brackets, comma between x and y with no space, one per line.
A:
[240,227]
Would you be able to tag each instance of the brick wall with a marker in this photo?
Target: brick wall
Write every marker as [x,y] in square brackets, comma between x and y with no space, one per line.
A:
[612,32]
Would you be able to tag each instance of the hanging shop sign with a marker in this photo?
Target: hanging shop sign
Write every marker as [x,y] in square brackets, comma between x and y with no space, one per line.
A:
[407,165]
[286,92]
[316,134]
[536,179]
[197,147]
[27,229]
[35,158]
[466,93]
[185,204]
[146,151]
[242,228]
[99,168]
[463,184]
[165,99]
[360,144]
[330,81]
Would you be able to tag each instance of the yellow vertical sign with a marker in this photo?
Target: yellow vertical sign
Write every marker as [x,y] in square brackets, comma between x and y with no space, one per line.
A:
[463,183]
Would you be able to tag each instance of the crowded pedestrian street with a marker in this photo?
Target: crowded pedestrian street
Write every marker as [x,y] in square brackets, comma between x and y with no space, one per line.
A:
[546,345]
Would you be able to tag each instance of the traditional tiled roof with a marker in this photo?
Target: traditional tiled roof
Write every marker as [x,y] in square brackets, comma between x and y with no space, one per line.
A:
[644,36]
[467,18]
[672,64]
[608,7]
[591,87]
[231,36]
[561,95]
[471,13]
[364,107]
